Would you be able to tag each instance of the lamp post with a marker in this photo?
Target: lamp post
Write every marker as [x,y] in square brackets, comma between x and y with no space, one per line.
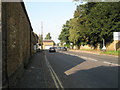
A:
[104,48]
[42,35]
[71,45]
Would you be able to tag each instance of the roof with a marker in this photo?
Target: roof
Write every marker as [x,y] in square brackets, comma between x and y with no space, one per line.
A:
[34,34]
[23,6]
[48,41]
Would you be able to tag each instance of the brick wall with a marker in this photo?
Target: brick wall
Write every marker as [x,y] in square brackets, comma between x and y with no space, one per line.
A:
[17,41]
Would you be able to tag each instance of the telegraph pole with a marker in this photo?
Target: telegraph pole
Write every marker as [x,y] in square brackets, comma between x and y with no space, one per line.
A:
[42,35]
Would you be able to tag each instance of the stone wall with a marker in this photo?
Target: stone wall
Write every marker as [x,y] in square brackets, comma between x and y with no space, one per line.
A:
[115,45]
[17,41]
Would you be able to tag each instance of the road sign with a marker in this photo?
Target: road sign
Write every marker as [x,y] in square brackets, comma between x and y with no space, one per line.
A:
[116,35]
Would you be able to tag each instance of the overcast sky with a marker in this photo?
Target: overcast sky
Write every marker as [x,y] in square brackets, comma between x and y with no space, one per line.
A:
[52,14]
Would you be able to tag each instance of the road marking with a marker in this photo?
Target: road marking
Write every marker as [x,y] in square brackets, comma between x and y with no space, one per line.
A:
[91,59]
[111,63]
[56,80]
[57,86]
[107,62]
[81,56]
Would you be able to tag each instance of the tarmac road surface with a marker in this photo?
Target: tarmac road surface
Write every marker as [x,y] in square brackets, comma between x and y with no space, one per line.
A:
[82,70]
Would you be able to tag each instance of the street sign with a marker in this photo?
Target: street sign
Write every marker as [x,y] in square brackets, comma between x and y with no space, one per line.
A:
[116,35]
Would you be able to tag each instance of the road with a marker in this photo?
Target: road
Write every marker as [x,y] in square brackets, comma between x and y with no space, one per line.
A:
[82,70]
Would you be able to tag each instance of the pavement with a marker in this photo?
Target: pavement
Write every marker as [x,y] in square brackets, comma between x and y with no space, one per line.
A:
[36,75]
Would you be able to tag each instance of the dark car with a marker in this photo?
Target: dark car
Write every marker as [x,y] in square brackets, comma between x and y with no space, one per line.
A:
[52,49]
[63,49]
[58,48]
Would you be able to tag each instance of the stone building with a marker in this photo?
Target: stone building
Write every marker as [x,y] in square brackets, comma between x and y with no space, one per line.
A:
[17,42]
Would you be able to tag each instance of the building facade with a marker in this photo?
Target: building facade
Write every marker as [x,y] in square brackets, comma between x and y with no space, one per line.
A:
[47,44]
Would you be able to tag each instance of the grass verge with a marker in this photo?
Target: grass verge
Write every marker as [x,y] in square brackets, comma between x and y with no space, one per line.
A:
[88,49]
[116,53]
[111,53]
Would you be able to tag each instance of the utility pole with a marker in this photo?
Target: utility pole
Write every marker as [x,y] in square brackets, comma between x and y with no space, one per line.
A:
[42,35]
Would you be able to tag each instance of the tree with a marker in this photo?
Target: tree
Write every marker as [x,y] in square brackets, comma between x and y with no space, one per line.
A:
[78,29]
[93,23]
[74,36]
[97,22]
[102,21]
[63,37]
[40,39]
[48,36]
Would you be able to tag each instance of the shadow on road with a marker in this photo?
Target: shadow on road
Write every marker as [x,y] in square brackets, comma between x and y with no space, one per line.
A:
[66,61]
[98,77]
[76,72]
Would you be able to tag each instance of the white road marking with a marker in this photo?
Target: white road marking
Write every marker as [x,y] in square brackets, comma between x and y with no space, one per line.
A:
[107,62]
[91,59]
[57,86]
[111,63]
[56,80]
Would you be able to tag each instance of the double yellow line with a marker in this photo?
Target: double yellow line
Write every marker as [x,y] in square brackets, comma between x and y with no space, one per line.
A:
[55,78]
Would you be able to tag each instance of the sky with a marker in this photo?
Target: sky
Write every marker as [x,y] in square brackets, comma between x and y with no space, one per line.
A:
[52,14]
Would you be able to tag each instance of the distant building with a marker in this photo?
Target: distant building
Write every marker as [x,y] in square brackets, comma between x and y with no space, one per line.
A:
[34,40]
[47,44]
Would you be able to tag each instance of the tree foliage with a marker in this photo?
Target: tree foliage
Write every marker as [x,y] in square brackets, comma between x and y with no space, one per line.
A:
[48,36]
[92,22]
[40,39]
[102,21]
[63,37]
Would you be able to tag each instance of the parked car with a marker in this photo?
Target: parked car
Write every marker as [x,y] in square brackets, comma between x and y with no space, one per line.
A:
[58,48]
[52,49]
[63,49]
[38,50]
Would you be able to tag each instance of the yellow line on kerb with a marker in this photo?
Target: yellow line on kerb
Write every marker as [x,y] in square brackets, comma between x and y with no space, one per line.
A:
[55,78]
